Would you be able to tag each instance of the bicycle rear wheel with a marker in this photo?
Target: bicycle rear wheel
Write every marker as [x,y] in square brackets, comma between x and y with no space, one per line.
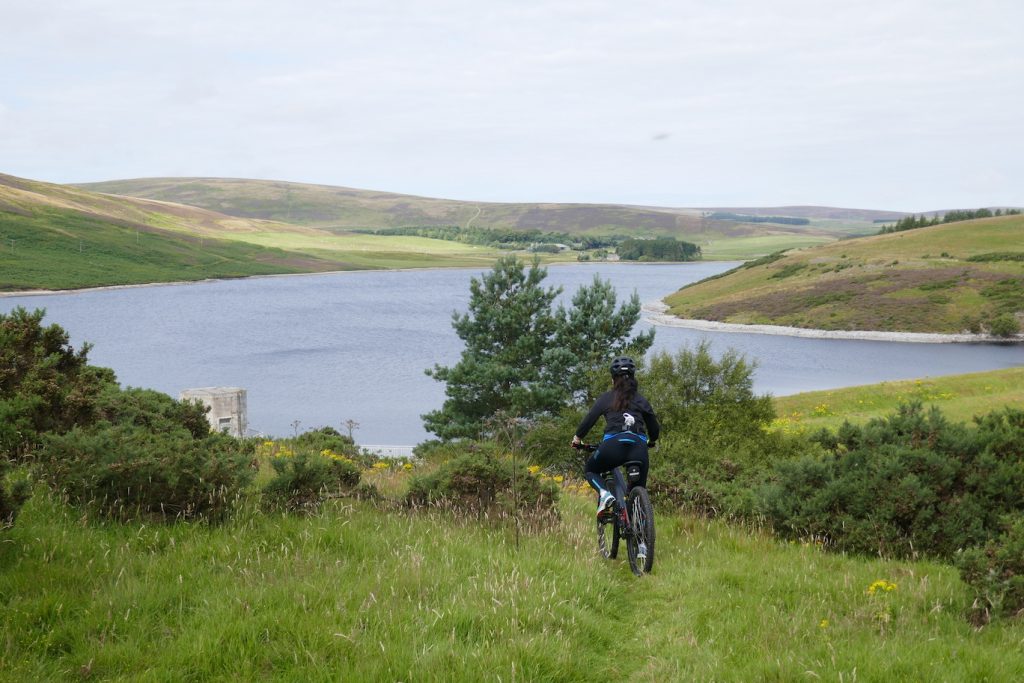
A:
[608,538]
[640,543]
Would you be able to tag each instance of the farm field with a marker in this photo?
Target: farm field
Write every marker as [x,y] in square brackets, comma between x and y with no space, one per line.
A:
[355,592]
[946,278]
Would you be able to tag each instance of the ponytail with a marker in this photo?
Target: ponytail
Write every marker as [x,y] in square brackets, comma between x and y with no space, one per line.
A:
[624,387]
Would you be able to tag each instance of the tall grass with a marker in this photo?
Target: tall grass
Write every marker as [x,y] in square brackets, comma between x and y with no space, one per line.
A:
[362,593]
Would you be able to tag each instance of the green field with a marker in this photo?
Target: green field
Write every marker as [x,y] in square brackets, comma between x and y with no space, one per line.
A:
[360,593]
[56,237]
[64,249]
[743,248]
[960,397]
[921,280]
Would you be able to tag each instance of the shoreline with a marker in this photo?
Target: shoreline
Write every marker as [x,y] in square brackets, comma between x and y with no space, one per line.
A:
[174,283]
[656,313]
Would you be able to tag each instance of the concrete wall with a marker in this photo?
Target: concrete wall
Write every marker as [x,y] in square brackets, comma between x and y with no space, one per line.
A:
[228,412]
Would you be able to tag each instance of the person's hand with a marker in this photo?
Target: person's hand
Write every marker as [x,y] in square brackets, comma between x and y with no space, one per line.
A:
[575,441]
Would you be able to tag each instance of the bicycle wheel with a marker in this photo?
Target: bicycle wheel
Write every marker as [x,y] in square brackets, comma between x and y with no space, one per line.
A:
[641,521]
[608,538]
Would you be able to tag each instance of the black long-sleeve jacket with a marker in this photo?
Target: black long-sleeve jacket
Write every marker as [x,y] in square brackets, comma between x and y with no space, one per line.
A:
[640,408]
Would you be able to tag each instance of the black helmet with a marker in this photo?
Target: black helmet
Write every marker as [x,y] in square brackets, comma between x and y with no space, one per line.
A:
[623,365]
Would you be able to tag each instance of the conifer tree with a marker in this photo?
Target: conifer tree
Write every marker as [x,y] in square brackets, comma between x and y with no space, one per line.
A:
[522,357]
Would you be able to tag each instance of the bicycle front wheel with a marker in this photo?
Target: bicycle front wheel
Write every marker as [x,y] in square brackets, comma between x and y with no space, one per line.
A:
[640,544]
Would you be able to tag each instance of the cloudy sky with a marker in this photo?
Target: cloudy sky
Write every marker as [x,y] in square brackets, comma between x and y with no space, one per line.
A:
[890,104]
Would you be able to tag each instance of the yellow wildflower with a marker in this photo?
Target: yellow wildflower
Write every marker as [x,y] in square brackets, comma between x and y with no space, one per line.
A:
[533,469]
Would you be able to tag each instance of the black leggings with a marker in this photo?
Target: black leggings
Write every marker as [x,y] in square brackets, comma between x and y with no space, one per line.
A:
[621,448]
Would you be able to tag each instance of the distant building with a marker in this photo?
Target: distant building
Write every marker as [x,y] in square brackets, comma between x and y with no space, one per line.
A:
[227,408]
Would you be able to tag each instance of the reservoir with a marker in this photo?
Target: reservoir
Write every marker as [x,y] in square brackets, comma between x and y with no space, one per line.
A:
[323,349]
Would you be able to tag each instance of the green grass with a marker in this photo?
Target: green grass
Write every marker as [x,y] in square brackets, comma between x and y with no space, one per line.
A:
[743,248]
[914,281]
[65,249]
[960,397]
[359,593]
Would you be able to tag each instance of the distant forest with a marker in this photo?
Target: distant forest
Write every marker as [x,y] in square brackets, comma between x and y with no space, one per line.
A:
[922,221]
[660,249]
[744,218]
[501,238]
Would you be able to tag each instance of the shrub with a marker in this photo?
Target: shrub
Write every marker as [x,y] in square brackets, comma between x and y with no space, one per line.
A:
[481,482]
[1004,325]
[909,484]
[12,495]
[45,385]
[148,454]
[995,573]
[715,449]
[303,480]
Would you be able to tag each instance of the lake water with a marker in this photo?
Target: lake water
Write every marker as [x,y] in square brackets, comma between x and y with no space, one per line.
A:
[323,349]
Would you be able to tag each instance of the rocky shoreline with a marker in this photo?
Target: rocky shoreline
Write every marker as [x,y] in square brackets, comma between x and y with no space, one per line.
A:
[656,312]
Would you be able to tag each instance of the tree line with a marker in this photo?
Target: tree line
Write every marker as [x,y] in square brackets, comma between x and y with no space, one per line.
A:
[913,222]
[660,249]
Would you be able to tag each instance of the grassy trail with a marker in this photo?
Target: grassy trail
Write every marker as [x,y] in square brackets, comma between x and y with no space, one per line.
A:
[355,593]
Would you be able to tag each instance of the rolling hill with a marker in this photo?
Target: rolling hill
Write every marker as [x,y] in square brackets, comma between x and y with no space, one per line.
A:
[61,237]
[946,278]
[342,208]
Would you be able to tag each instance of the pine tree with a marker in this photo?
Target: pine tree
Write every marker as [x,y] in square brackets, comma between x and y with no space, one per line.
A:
[523,358]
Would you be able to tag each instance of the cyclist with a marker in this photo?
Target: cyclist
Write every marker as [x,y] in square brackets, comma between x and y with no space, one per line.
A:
[630,428]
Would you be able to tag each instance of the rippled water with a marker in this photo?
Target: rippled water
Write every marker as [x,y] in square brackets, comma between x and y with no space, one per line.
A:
[323,349]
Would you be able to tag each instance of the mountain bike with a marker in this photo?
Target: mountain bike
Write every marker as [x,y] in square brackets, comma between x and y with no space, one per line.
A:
[632,517]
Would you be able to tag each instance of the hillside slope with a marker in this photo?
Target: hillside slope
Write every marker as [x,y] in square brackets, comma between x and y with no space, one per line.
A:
[340,208]
[60,237]
[946,278]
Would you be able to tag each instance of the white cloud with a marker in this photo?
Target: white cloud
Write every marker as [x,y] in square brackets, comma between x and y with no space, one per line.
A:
[866,103]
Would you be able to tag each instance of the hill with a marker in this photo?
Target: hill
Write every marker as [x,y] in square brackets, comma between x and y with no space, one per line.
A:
[342,208]
[61,237]
[946,278]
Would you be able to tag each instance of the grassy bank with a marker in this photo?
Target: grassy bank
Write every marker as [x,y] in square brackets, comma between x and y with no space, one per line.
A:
[960,397]
[356,593]
[946,278]
[64,249]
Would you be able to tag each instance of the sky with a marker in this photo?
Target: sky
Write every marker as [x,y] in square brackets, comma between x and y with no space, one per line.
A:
[908,105]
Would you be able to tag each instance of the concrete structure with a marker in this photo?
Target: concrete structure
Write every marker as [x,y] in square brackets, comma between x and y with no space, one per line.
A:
[227,407]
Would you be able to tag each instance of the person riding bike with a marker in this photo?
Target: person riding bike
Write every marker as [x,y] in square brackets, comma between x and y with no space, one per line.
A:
[630,429]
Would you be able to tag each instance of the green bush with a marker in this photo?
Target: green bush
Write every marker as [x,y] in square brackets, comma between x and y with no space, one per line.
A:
[481,481]
[45,385]
[147,455]
[12,495]
[303,480]
[995,572]
[1004,325]
[715,449]
[908,484]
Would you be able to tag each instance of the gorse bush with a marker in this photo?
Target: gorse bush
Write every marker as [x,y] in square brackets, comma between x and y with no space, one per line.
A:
[715,450]
[909,484]
[147,454]
[45,385]
[12,495]
[484,482]
[995,572]
[305,479]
